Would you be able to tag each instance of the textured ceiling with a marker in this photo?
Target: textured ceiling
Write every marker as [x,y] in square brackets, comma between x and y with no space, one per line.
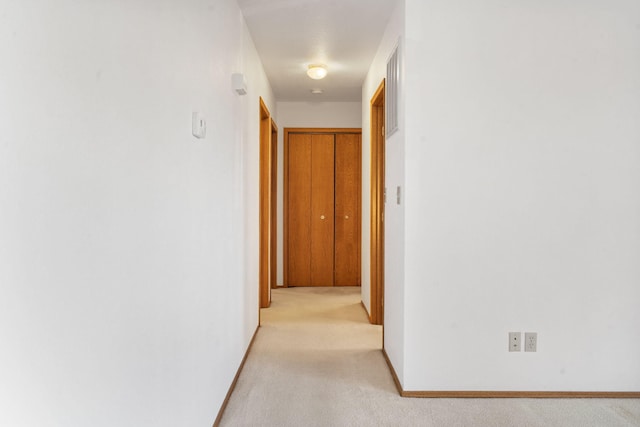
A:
[291,34]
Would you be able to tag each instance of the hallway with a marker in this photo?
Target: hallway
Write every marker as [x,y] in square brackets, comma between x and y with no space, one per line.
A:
[316,361]
[314,351]
[132,198]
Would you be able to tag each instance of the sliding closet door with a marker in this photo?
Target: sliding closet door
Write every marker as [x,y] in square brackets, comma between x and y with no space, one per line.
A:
[298,208]
[322,209]
[347,209]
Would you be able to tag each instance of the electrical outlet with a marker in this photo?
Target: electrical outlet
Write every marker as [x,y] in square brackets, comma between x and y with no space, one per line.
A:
[514,341]
[530,341]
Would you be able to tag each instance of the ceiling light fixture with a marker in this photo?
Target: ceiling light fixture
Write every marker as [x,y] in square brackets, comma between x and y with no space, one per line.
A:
[316,91]
[317,71]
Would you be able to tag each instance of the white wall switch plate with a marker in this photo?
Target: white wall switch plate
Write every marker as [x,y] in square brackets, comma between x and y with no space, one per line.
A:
[198,125]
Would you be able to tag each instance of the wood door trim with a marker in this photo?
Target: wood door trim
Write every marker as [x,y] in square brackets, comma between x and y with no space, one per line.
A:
[273,214]
[285,193]
[285,210]
[377,206]
[264,208]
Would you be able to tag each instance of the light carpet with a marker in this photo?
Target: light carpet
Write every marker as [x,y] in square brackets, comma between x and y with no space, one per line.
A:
[316,361]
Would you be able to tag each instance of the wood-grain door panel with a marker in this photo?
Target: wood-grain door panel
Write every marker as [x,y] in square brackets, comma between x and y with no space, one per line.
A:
[322,209]
[299,205]
[347,209]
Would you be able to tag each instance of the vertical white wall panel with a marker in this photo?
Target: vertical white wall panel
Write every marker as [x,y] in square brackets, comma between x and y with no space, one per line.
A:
[394,310]
[124,298]
[522,202]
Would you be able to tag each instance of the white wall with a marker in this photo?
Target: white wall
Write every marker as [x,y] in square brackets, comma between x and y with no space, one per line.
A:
[123,297]
[394,213]
[522,194]
[319,114]
[308,115]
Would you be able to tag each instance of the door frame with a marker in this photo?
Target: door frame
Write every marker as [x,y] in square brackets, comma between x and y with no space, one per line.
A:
[267,257]
[285,221]
[377,204]
[273,235]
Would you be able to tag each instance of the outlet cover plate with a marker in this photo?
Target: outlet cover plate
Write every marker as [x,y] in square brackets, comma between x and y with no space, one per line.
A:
[514,341]
[530,341]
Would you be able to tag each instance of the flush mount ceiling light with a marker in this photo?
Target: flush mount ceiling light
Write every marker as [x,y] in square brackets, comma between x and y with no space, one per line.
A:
[317,71]
[316,91]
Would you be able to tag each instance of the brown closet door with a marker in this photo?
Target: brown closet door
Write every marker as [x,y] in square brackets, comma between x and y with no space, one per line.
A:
[298,207]
[347,209]
[322,209]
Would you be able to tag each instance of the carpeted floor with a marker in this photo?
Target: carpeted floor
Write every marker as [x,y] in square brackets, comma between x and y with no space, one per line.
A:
[316,361]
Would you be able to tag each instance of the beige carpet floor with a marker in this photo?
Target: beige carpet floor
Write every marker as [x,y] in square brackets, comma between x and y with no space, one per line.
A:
[316,361]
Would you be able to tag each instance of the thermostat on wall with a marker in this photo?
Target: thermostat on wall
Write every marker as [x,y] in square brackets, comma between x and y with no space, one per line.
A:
[198,125]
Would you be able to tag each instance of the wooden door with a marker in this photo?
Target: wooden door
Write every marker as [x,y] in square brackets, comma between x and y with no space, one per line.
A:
[297,211]
[347,209]
[322,209]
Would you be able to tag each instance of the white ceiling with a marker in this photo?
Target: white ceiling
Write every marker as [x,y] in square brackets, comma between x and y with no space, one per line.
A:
[291,34]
